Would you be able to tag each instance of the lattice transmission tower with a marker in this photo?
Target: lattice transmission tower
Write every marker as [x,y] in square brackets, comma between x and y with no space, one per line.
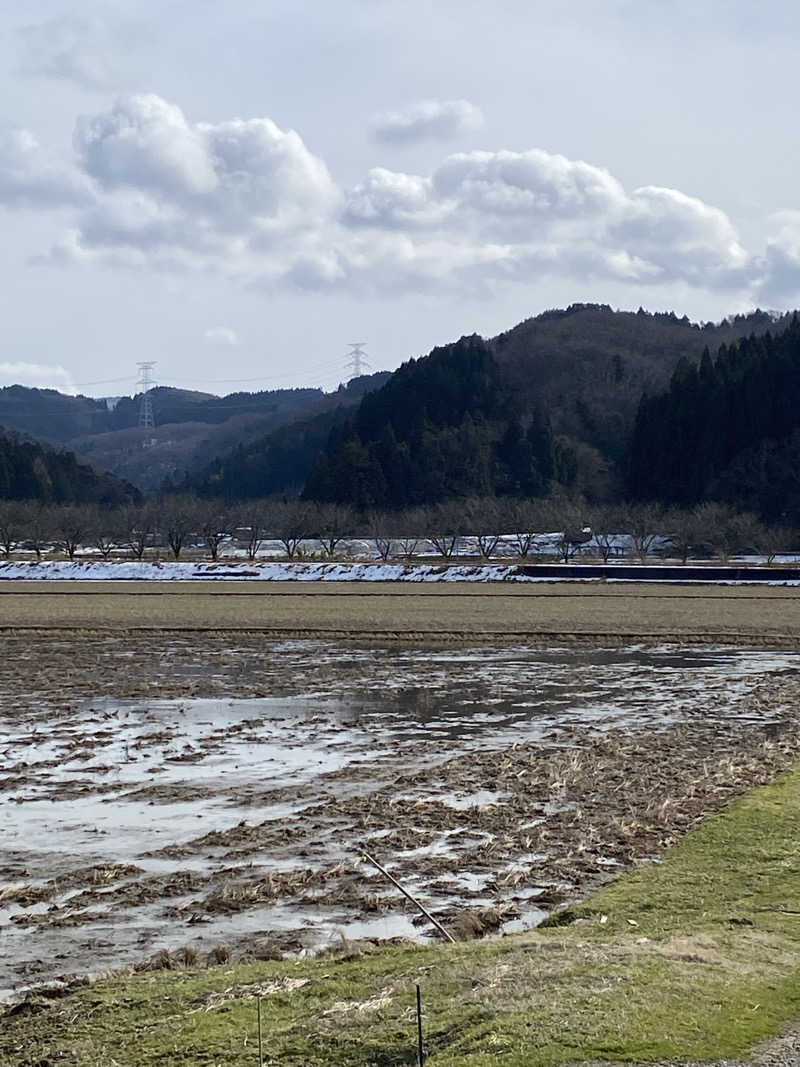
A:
[146,383]
[358,361]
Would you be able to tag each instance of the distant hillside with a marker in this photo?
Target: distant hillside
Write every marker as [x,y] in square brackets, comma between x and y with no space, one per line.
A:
[565,385]
[191,427]
[279,462]
[173,406]
[552,402]
[726,429]
[46,413]
[49,414]
[588,367]
[30,470]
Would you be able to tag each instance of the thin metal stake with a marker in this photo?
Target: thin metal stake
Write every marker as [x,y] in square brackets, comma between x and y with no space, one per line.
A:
[445,934]
[420,1050]
[260,1039]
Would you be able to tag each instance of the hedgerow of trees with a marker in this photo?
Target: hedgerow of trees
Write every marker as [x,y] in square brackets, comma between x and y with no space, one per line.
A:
[560,528]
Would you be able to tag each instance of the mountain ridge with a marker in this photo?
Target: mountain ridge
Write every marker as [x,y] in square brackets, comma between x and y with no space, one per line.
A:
[577,375]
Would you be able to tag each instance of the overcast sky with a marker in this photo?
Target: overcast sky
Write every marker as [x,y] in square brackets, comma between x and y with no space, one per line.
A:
[238,191]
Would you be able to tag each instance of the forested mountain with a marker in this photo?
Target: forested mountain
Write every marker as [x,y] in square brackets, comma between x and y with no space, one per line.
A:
[588,367]
[552,402]
[726,429]
[30,470]
[445,426]
[279,462]
[191,427]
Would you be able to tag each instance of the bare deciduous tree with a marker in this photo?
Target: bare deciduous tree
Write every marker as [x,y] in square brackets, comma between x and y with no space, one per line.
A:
[179,516]
[531,523]
[773,540]
[412,525]
[443,522]
[645,523]
[39,524]
[379,524]
[334,523]
[106,532]
[291,523]
[484,519]
[252,519]
[11,526]
[572,529]
[72,526]
[137,527]
[725,530]
[214,526]
[606,523]
[683,531]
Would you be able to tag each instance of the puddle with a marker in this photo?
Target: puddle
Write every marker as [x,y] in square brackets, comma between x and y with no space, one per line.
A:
[527,921]
[479,799]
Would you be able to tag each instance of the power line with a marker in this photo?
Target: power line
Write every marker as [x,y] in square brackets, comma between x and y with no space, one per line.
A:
[311,383]
[261,378]
[313,377]
[103,381]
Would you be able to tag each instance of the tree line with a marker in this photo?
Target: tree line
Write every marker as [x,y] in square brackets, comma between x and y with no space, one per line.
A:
[557,528]
[727,428]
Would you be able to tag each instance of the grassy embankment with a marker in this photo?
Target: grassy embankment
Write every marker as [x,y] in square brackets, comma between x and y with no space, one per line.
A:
[697,957]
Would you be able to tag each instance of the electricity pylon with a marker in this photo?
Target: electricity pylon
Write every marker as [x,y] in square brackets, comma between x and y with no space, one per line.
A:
[146,383]
[358,361]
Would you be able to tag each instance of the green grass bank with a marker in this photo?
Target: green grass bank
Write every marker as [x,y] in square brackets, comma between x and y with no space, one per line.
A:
[694,958]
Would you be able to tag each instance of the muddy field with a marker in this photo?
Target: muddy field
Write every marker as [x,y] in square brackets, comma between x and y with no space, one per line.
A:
[460,612]
[213,794]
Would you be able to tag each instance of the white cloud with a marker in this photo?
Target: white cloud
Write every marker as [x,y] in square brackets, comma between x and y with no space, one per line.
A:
[525,215]
[386,198]
[686,237]
[242,197]
[779,267]
[527,185]
[37,376]
[268,174]
[248,199]
[145,143]
[29,177]
[221,335]
[435,120]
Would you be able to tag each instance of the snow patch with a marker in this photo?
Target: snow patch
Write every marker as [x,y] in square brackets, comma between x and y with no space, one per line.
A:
[63,570]
[57,570]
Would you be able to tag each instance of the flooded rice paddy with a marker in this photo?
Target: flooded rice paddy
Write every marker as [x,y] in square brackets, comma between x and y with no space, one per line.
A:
[220,800]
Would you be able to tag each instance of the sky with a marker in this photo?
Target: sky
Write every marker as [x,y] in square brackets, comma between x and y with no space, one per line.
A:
[239,191]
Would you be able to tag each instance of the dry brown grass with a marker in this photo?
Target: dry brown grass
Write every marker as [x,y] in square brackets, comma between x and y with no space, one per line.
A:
[730,613]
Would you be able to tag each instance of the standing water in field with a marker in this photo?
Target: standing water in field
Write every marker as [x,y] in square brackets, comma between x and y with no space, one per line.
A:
[487,780]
